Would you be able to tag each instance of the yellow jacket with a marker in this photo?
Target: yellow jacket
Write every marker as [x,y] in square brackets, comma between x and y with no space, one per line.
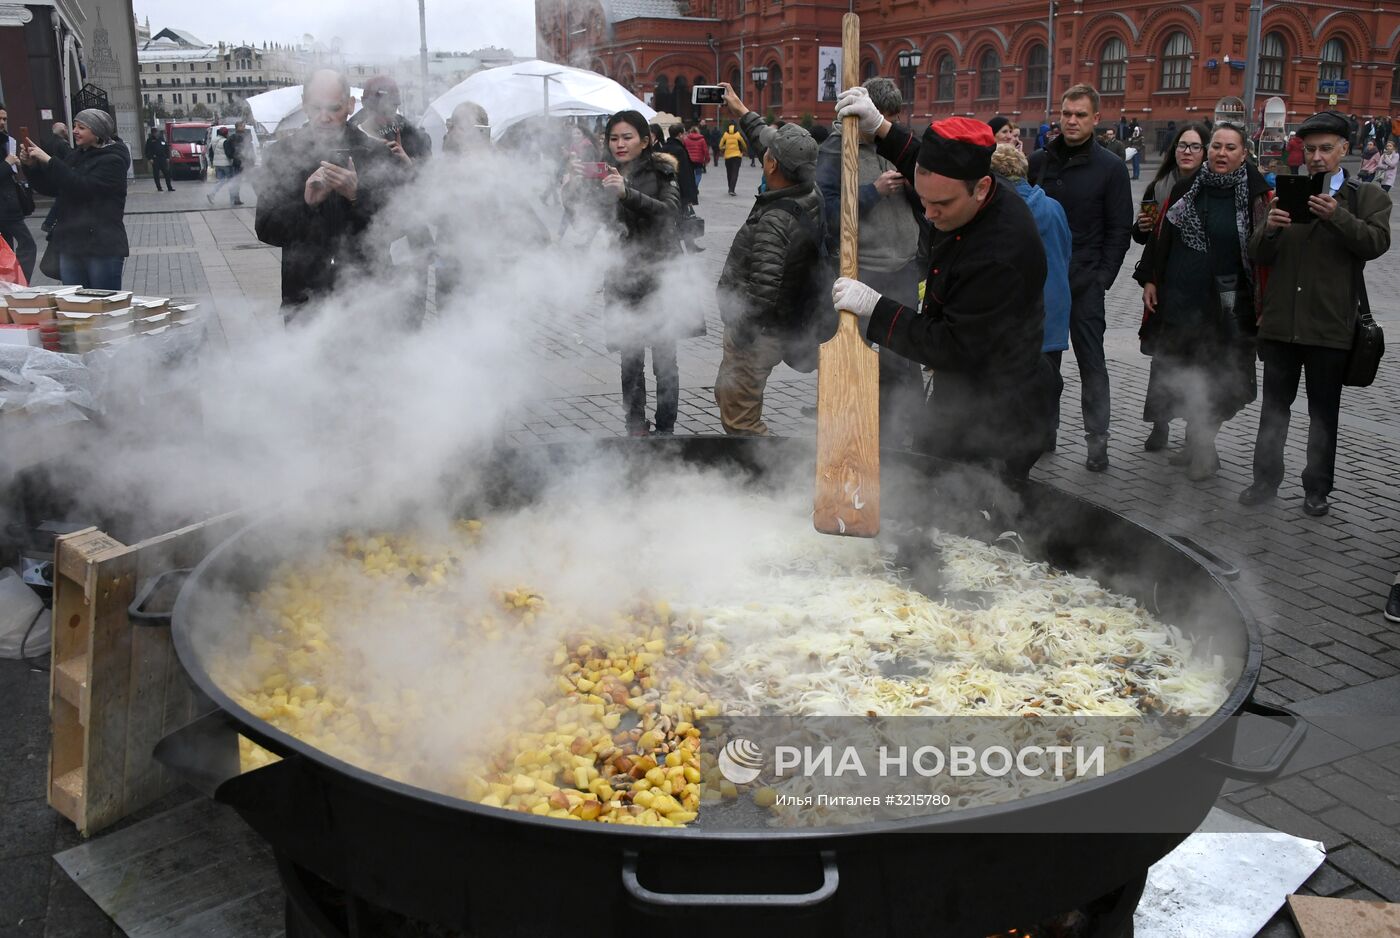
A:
[731,143]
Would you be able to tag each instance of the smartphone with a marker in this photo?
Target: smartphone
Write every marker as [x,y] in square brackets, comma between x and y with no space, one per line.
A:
[707,94]
[595,170]
[1293,193]
[340,156]
[24,137]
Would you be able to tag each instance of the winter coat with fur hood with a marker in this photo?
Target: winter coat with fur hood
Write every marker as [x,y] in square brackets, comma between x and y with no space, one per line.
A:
[633,311]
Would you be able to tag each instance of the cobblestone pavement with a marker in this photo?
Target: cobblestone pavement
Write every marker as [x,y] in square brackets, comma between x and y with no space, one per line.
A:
[1316,585]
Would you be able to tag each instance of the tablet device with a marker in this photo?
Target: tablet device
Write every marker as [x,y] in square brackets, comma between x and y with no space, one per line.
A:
[1293,193]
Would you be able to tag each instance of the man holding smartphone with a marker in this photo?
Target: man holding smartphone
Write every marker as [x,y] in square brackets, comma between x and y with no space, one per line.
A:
[319,194]
[1308,310]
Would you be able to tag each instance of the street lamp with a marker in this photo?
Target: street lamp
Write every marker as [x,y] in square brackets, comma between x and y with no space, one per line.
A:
[909,62]
[759,76]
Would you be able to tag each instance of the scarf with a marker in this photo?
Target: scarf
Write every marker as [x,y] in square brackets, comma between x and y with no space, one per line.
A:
[1187,218]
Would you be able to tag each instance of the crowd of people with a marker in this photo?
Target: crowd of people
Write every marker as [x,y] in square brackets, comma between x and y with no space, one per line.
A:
[979,264]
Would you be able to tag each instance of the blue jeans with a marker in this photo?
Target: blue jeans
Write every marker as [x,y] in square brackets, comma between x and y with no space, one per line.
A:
[1137,163]
[87,270]
[699,171]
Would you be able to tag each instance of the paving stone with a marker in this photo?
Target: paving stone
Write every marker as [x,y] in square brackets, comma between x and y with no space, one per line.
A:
[1346,673]
[1302,794]
[1305,674]
[1328,881]
[1366,830]
[1282,816]
[1369,870]
[1362,661]
[1380,804]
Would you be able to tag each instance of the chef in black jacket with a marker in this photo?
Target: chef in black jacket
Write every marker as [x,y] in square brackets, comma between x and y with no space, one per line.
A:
[981,324]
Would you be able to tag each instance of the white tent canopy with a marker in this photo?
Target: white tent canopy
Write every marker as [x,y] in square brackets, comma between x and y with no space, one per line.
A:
[513,93]
[280,109]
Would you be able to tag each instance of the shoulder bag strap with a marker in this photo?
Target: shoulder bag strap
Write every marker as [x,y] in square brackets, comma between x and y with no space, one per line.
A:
[1363,302]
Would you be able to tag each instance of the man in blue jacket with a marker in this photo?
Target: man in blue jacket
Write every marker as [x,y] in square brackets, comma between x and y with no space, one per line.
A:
[1093,187]
[1009,163]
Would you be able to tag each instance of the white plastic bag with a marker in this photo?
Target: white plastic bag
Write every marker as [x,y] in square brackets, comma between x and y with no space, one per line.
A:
[19,608]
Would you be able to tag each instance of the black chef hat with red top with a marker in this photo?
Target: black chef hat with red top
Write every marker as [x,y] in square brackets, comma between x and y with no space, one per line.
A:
[958,147]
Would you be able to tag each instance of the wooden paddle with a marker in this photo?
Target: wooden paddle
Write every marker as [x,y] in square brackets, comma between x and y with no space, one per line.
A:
[847,497]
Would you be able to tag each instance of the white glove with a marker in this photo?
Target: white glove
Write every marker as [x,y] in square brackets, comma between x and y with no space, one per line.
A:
[855,102]
[855,297]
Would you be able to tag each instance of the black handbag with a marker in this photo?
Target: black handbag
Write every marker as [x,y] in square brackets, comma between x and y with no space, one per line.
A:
[26,198]
[48,264]
[692,226]
[1368,339]
[1236,304]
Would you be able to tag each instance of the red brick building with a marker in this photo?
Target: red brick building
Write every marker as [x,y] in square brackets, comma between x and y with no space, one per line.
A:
[1150,60]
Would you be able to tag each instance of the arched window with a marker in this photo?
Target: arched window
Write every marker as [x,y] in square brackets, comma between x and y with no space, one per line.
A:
[1395,82]
[775,87]
[1334,61]
[868,70]
[1272,52]
[1176,62]
[736,81]
[944,71]
[1113,66]
[1037,71]
[988,74]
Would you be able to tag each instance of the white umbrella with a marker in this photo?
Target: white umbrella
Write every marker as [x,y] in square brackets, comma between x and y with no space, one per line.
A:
[513,93]
[280,109]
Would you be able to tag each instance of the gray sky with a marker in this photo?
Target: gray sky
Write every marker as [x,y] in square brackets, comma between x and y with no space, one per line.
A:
[366,28]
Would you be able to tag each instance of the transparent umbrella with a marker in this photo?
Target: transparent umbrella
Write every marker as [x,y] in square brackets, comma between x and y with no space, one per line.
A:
[513,93]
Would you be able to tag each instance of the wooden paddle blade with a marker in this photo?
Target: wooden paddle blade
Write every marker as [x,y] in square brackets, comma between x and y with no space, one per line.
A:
[847,499]
[848,435]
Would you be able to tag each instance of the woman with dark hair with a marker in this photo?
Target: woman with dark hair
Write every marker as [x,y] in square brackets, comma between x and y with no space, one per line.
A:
[642,180]
[1199,294]
[1184,156]
[90,185]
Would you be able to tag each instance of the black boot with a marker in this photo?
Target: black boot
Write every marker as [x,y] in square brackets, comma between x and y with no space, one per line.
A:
[1097,460]
[1157,439]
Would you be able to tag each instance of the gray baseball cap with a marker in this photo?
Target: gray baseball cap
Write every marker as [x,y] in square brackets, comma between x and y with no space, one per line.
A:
[794,149]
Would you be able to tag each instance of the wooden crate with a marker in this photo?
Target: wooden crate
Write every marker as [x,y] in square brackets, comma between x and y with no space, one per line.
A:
[115,687]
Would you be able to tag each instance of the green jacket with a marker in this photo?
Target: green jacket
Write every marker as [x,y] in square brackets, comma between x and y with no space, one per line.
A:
[1309,296]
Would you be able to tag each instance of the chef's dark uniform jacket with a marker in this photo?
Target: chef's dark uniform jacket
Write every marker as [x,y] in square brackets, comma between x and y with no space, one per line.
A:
[980,331]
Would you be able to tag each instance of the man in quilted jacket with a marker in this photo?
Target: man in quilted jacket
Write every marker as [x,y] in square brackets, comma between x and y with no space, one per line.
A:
[770,263]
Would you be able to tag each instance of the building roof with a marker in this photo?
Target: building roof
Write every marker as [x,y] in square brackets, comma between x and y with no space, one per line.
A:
[165,52]
[616,10]
[180,36]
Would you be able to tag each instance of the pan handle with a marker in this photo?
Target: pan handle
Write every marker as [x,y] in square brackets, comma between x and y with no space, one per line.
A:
[203,753]
[1297,729]
[137,611]
[1217,564]
[831,878]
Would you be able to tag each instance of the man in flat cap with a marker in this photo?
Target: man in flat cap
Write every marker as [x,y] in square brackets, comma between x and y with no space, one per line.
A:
[1308,311]
[982,320]
[765,287]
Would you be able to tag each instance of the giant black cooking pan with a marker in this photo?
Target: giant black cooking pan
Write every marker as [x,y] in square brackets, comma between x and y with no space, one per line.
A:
[492,872]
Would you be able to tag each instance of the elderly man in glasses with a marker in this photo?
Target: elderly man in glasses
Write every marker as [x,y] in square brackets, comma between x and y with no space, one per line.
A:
[1309,309]
[319,193]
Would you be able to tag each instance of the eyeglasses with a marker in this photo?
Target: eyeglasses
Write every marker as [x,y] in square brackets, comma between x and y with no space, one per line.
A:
[1324,148]
[1189,148]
